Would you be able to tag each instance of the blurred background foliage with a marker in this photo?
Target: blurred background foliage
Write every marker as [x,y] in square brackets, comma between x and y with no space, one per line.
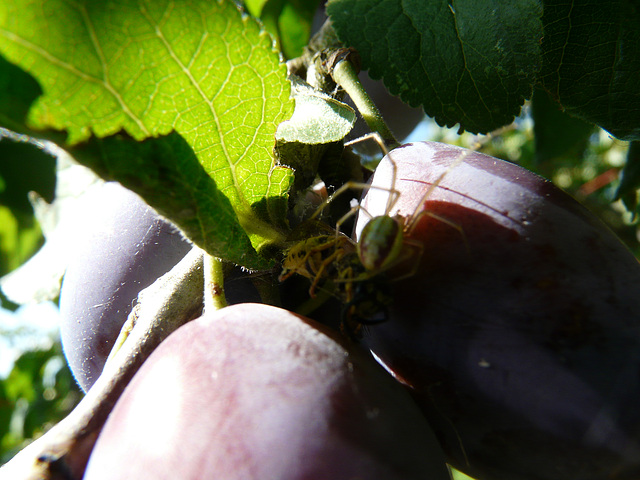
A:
[36,386]
[582,159]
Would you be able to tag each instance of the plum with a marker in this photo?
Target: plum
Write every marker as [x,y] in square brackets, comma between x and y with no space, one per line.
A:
[123,250]
[124,247]
[519,332]
[255,391]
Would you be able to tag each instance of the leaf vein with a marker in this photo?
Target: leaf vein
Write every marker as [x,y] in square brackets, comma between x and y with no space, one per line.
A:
[198,88]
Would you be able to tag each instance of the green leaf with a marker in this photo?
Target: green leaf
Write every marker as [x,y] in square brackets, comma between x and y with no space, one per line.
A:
[289,21]
[312,142]
[178,187]
[20,237]
[630,179]
[556,133]
[317,118]
[466,61]
[39,392]
[18,90]
[316,129]
[147,68]
[254,7]
[591,61]
[24,168]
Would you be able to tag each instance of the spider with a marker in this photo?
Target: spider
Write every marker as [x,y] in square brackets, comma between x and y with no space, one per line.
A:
[385,241]
[315,258]
[360,273]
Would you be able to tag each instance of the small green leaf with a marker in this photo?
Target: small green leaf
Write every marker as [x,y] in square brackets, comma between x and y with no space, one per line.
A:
[591,61]
[147,68]
[630,179]
[254,7]
[318,124]
[556,133]
[466,61]
[317,118]
[289,21]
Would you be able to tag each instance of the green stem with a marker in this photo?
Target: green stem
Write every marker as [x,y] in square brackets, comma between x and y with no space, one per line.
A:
[345,75]
[214,298]
[122,336]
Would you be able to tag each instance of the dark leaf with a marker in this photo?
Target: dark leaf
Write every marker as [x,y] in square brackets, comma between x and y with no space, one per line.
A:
[591,52]
[467,62]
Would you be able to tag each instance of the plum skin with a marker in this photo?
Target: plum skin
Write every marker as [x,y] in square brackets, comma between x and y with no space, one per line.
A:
[520,337]
[254,391]
[124,248]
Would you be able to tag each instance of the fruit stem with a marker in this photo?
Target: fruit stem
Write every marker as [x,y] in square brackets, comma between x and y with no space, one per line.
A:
[344,74]
[122,337]
[214,297]
[324,39]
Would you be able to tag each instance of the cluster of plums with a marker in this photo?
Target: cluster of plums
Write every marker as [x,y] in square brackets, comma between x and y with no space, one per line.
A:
[511,352]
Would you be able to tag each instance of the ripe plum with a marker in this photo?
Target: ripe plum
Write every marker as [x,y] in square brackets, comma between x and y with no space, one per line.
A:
[519,334]
[123,248]
[254,391]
